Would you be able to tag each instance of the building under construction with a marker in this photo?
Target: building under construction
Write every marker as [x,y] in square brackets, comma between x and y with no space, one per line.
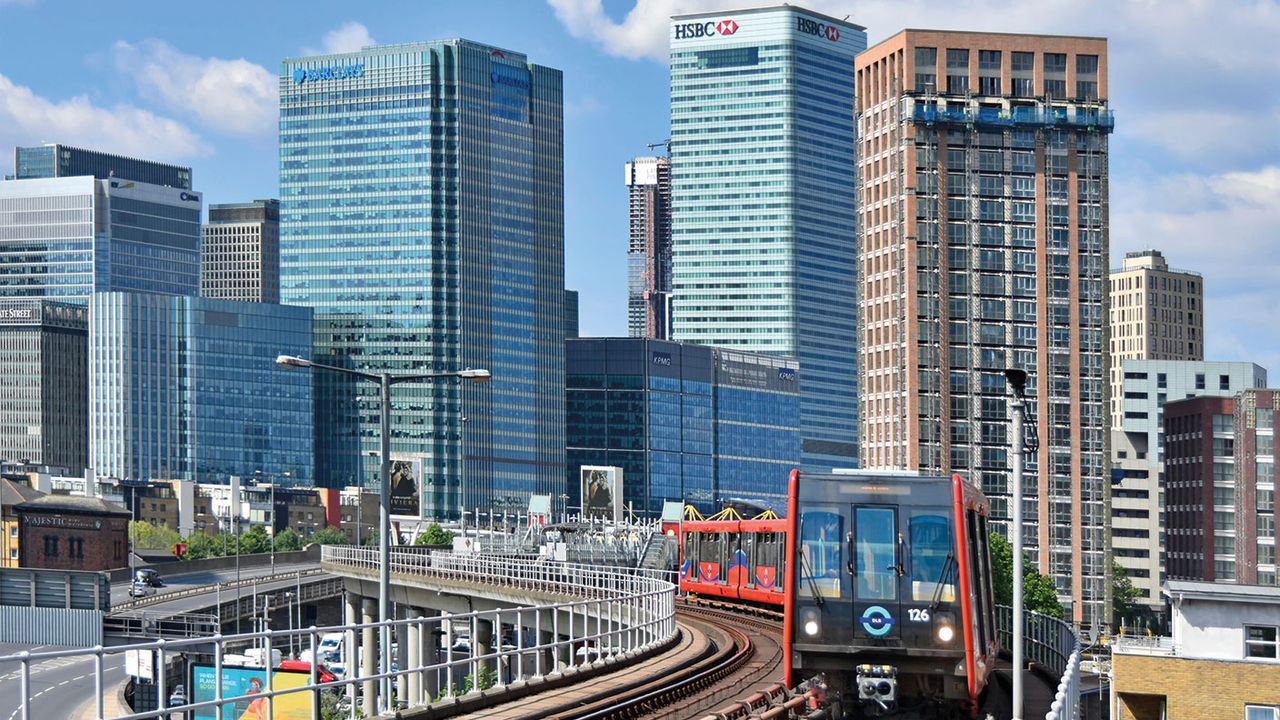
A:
[982,182]
[649,248]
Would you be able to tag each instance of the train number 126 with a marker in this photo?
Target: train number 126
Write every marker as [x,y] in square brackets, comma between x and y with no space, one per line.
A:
[918,614]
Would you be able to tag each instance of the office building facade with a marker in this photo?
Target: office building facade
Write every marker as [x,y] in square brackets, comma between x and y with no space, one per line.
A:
[1138,480]
[57,160]
[240,258]
[43,381]
[187,388]
[683,421]
[422,203]
[65,238]
[1157,313]
[571,313]
[649,248]
[763,203]
[982,185]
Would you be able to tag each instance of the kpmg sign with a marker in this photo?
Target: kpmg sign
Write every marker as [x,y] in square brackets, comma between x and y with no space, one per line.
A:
[328,72]
[661,358]
[690,31]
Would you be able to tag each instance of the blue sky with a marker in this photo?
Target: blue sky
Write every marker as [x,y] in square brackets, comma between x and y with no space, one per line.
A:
[1195,161]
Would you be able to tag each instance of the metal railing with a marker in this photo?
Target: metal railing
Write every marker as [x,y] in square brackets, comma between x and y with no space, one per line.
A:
[211,588]
[1054,644]
[606,615]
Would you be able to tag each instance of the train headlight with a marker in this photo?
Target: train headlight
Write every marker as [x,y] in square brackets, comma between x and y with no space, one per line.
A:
[810,621]
[944,627]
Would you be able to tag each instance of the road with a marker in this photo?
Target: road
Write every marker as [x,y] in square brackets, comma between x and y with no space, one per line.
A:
[64,687]
[59,686]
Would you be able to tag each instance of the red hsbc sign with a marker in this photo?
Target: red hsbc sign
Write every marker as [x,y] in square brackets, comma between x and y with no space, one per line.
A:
[689,31]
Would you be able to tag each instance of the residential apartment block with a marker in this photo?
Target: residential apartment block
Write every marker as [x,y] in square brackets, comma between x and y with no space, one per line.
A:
[982,196]
[1138,456]
[649,248]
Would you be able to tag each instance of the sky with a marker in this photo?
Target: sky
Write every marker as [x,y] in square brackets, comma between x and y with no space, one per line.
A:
[1195,85]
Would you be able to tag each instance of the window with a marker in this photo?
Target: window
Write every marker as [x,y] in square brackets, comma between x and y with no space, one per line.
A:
[931,575]
[1224,382]
[1222,423]
[1199,381]
[822,552]
[1264,418]
[1260,642]
[1055,63]
[1259,712]
[1023,62]
[989,60]
[1086,65]
[875,553]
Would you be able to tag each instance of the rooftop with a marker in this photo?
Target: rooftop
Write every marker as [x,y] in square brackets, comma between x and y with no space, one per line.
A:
[72,504]
[13,493]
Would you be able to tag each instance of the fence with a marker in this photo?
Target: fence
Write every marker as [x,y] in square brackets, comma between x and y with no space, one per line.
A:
[610,615]
[1053,644]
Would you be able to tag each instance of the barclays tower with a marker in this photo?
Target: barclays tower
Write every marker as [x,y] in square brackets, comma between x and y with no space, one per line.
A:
[422,204]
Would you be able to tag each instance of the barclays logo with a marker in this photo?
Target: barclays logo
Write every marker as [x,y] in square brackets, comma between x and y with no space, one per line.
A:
[188,197]
[329,72]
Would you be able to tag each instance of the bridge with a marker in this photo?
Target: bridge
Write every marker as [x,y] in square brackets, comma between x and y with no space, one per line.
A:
[468,629]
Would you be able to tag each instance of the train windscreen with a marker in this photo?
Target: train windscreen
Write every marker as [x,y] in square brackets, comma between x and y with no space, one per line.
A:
[933,570]
[875,548]
[822,552]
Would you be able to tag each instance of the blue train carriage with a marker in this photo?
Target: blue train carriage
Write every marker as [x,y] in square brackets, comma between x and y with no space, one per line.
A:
[890,599]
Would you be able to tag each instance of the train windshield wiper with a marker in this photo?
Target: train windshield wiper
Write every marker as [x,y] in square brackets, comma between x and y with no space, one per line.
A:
[808,573]
[947,567]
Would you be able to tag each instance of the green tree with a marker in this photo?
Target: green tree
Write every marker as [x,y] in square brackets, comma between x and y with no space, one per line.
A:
[153,537]
[1126,611]
[202,545]
[435,535]
[330,536]
[255,540]
[1038,592]
[289,540]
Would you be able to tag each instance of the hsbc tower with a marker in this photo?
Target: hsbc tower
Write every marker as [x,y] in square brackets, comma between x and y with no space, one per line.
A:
[763,226]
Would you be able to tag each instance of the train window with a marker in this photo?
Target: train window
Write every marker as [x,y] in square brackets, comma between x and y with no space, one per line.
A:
[710,557]
[984,584]
[975,572]
[933,573]
[822,553]
[691,548]
[748,559]
[875,553]
[767,570]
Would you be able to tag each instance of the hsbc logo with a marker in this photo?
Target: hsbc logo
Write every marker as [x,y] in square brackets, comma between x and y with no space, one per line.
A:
[689,31]
[813,27]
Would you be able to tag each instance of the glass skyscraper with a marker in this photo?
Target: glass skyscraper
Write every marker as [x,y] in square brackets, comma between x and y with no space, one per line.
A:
[684,422]
[422,217]
[65,238]
[55,160]
[187,388]
[764,254]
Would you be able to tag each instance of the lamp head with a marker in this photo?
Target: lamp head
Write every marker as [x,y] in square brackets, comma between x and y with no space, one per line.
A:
[292,361]
[475,375]
[1018,379]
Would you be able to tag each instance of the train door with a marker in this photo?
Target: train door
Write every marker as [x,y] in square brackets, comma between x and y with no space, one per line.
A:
[877,566]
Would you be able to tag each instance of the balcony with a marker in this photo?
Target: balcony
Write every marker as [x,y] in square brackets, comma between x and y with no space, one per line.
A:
[1090,118]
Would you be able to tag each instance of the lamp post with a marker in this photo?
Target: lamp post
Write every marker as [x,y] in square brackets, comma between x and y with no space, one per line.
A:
[385,381]
[1016,380]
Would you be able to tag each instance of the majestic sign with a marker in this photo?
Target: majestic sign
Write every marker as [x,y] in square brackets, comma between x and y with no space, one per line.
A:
[328,72]
[813,27]
[689,31]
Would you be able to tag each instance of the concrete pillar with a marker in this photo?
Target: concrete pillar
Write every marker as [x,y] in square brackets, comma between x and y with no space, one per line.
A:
[481,645]
[401,659]
[413,681]
[369,654]
[350,616]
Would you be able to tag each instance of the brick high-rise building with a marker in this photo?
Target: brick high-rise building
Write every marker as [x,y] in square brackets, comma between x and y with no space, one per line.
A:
[1200,494]
[649,248]
[982,184]
[240,257]
[1255,486]
[1157,313]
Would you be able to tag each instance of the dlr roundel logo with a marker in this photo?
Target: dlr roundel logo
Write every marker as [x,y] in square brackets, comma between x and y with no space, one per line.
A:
[689,31]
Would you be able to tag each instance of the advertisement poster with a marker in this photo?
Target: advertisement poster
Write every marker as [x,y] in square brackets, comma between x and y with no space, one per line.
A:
[247,682]
[406,484]
[602,492]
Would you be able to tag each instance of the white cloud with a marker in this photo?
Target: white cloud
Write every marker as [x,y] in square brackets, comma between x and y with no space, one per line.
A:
[349,37]
[231,96]
[28,119]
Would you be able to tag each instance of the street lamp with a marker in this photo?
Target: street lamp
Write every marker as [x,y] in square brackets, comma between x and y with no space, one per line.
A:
[1016,380]
[385,381]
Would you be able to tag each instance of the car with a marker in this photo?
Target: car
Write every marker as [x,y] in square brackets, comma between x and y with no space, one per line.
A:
[141,589]
[148,576]
[178,696]
[323,674]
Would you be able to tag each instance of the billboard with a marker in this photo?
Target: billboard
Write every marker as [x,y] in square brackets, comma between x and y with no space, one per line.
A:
[602,492]
[406,485]
[247,682]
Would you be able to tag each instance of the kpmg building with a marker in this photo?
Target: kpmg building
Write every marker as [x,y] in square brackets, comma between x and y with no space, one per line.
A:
[187,388]
[762,173]
[684,422]
[78,222]
[422,203]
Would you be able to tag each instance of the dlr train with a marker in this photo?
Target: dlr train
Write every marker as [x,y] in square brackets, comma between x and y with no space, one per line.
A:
[885,581]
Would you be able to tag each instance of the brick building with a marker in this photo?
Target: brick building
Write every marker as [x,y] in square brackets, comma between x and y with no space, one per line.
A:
[1221,663]
[66,532]
[12,494]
